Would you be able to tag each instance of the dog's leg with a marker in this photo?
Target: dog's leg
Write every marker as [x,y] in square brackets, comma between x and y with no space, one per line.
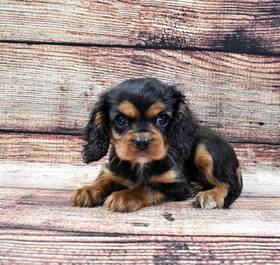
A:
[226,187]
[94,194]
[134,199]
[213,198]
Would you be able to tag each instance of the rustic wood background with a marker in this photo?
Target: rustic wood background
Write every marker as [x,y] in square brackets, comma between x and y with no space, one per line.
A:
[55,59]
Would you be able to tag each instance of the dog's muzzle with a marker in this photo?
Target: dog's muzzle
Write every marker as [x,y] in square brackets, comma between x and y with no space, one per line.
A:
[142,142]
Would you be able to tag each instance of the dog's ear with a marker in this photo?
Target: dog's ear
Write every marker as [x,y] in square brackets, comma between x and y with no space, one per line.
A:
[96,133]
[182,128]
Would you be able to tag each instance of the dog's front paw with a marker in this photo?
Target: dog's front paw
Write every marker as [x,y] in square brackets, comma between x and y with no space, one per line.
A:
[209,199]
[123,201]
[86,196]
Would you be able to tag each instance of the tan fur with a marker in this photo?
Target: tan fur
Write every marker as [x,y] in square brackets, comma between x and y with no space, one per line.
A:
[119,180]
[155,109]
[238,174]
[129,110]
[99,119]
[213,198]
[126,151]
[166,178]
[94,194]
[204,163]
[132,200]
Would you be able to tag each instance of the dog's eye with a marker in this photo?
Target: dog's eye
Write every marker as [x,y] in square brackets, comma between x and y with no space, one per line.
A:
[121,121]
[162,120]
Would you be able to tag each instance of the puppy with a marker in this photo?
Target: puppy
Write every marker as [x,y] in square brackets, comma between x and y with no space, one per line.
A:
[159,152]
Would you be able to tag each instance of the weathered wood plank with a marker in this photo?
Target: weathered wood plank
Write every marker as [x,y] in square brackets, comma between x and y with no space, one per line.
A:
[67,149]
[20,246]
[42,148]
[51,88]
[257,153]
[244,26]
[258,180]
[36,175]
[49,210]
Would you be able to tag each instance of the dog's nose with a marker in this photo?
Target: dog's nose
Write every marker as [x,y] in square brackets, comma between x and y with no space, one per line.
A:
[142,143]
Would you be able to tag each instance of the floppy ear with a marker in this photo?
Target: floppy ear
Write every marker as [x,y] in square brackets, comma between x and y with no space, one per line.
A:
[96,134]
[182,129]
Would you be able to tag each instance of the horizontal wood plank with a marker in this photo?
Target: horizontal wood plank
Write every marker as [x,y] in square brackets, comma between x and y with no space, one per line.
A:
[42,148]
[259,180]
[53,88]
[249,154]
[243,26]
[67,149]
[49,210]
[20,246]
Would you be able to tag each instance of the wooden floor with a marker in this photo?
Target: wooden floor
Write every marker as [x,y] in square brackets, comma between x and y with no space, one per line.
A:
[37,225]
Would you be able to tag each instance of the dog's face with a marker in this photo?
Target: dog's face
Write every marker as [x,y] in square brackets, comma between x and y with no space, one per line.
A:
[143,119]
[138,128]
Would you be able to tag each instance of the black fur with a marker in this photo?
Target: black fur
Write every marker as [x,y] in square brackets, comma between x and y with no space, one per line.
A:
[224,158]
[96,135]
[183,134]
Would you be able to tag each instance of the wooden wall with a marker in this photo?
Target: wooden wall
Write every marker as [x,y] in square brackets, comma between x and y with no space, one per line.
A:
[57,56]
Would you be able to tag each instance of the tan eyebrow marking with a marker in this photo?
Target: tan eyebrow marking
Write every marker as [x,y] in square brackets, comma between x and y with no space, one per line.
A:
[129,110]
[155,109]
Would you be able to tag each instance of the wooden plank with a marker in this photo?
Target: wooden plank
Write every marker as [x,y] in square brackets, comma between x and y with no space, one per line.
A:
[49,210]
[20,246]
[249,154]
[37,175]
[67,149]
[243,26]
[260,180]
[52,89]
[41,148]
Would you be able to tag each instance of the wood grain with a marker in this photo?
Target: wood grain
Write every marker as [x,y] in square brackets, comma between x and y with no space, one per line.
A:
[249,154]
[21,246]
[49,210]
[67,149]
[260,180]
[243,26]
[41,148]
[52,89]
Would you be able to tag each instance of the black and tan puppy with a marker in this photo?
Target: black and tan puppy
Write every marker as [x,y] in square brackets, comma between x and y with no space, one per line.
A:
[159,152]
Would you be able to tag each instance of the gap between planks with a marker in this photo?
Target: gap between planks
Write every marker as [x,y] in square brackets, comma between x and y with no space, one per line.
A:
[143,47]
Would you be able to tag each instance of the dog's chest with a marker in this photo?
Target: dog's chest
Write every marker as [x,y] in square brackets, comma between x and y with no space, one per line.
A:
[139,173]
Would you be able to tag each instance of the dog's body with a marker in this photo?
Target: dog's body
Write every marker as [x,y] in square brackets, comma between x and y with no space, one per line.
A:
[158,152]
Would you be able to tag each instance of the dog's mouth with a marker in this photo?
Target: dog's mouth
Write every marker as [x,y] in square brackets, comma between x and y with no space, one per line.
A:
[146,156]
[142,158]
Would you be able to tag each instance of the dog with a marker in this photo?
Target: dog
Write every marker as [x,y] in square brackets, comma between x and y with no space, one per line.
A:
[159,152]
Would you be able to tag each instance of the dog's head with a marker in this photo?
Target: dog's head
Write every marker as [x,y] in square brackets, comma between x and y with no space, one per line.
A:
[143,119]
